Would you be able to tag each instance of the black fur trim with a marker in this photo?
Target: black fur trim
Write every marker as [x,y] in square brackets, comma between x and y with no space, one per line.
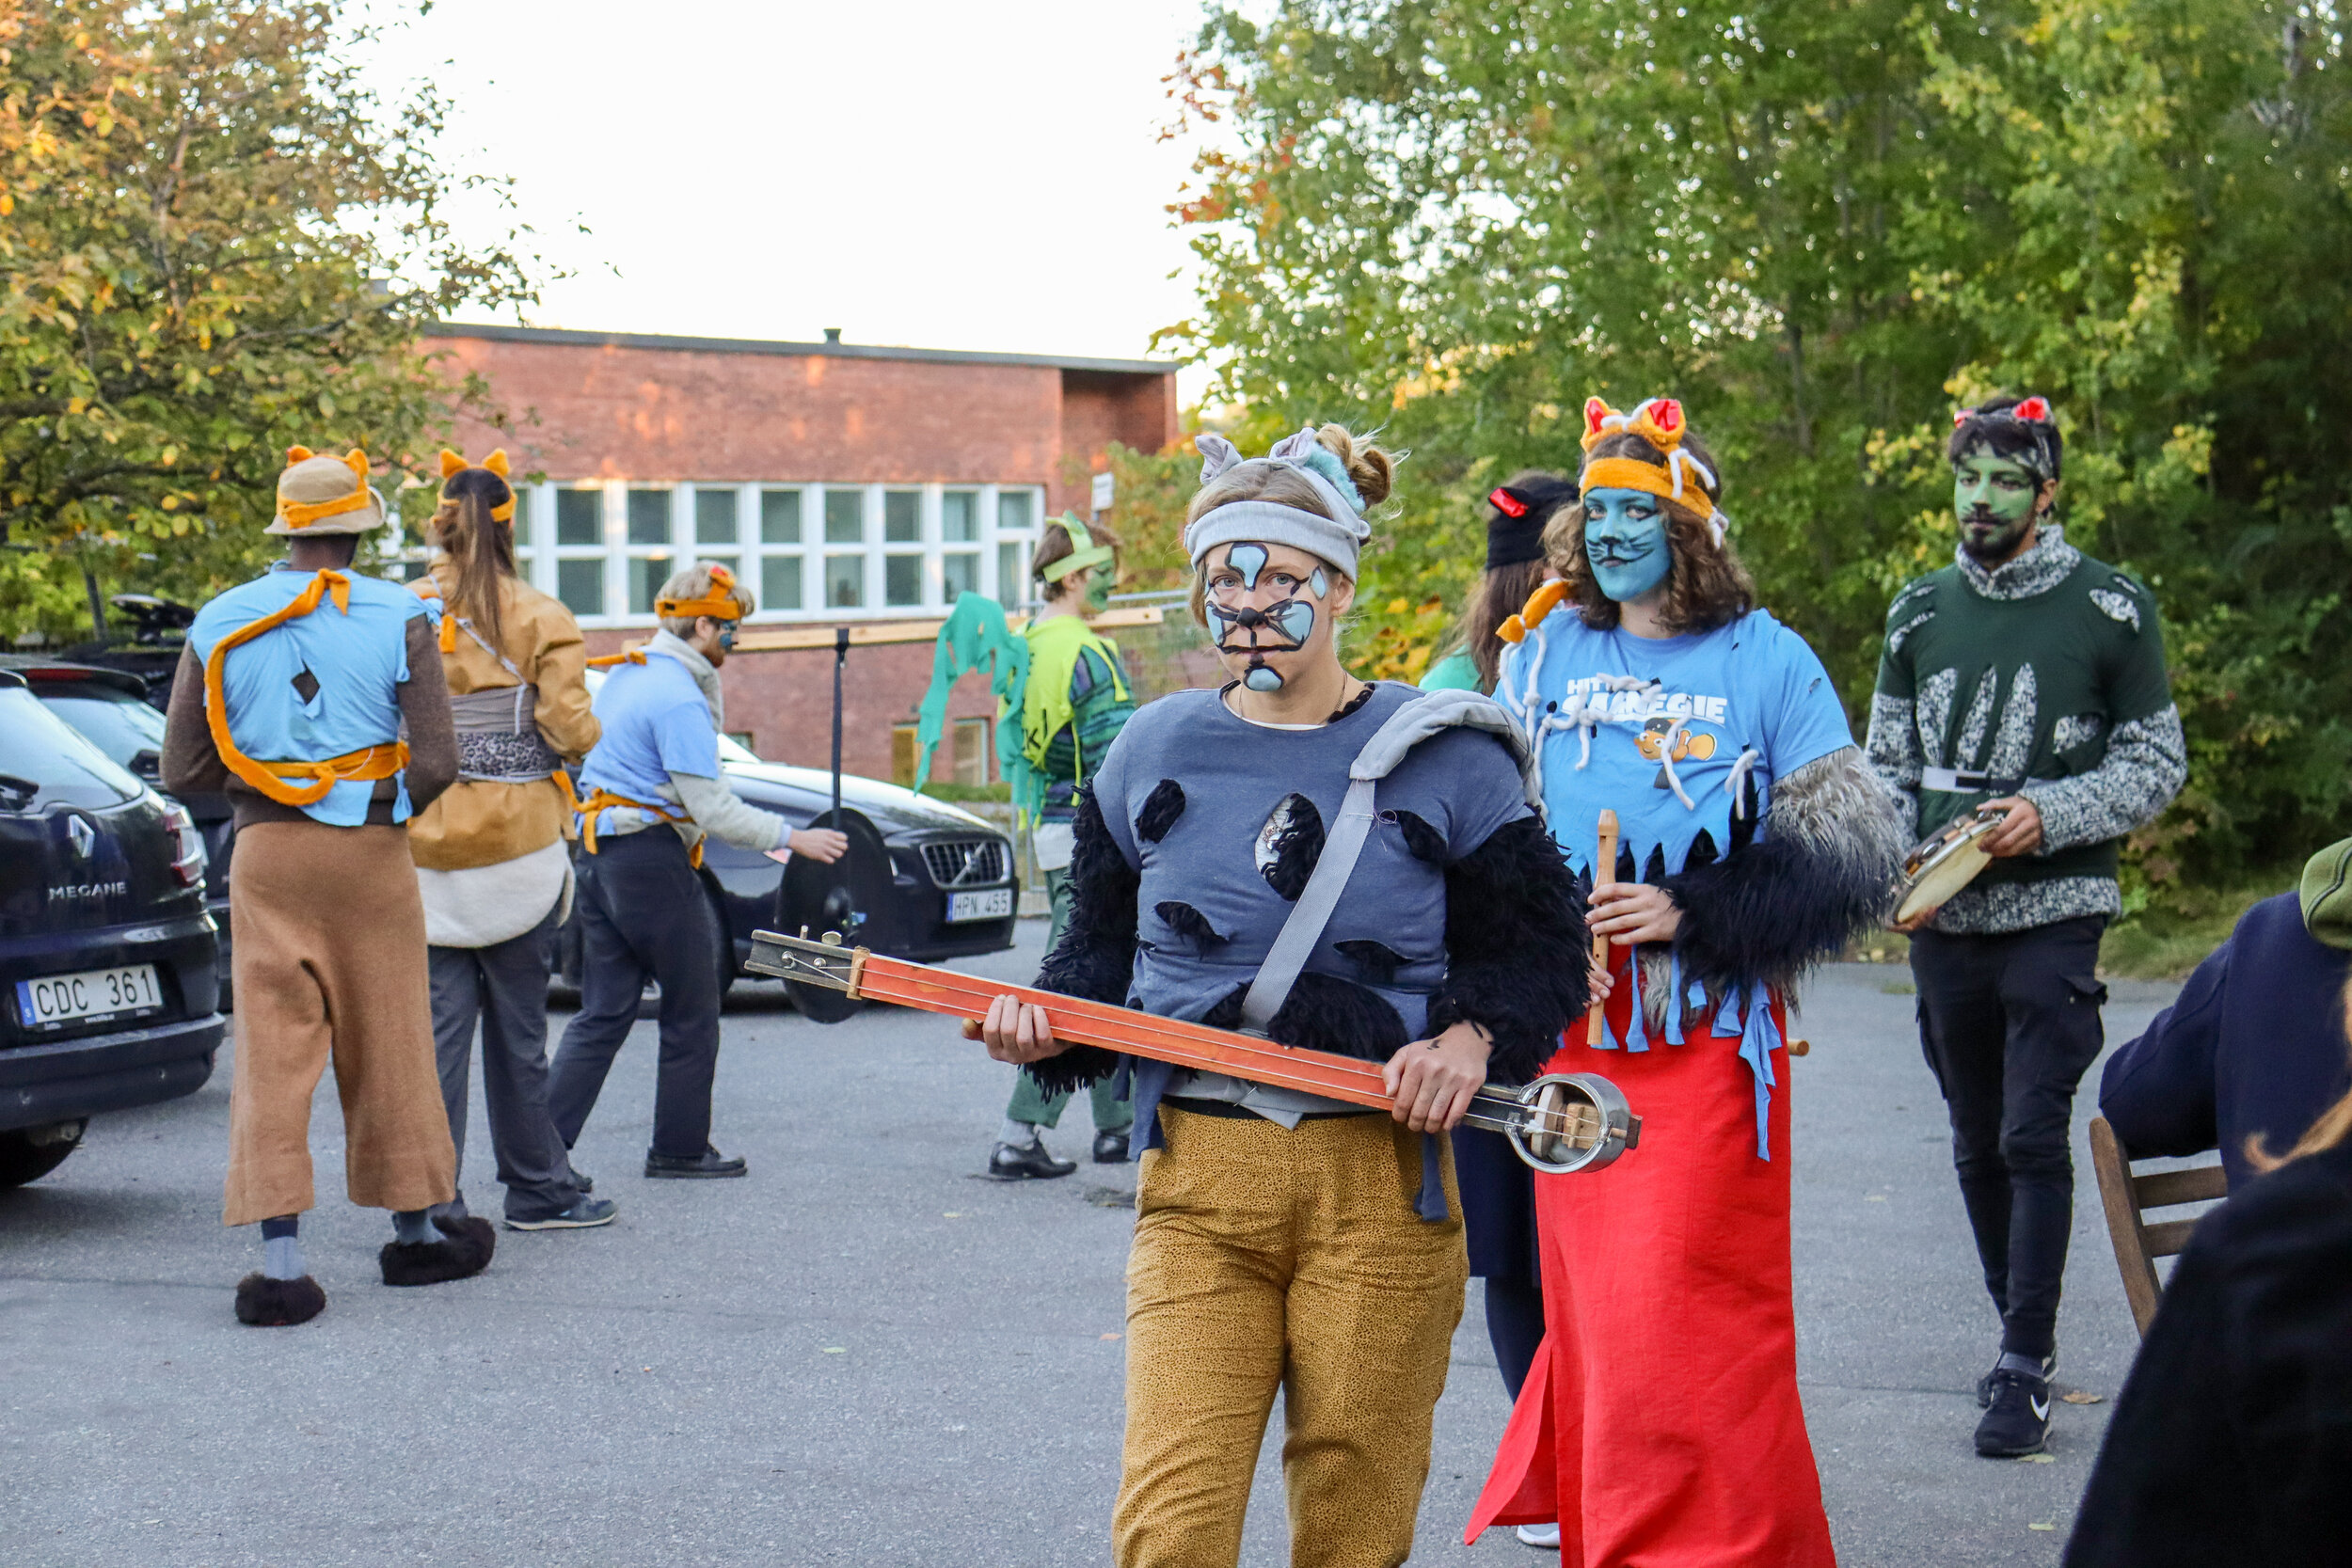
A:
[1422,840]
[1768,913]
[1377,961]
[1096,958]
[1702,851]
[1297,846]
[266,1303]
[1324,1012]
[1191,925]
[1160,808]
[1516,949]
[465,1252]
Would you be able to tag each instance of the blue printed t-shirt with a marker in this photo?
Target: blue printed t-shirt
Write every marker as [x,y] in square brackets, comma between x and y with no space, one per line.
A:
[1750,690]
[359,657]
[656,722]
[1240,783]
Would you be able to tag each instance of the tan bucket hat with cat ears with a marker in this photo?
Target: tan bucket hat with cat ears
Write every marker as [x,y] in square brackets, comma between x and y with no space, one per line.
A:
[320,494]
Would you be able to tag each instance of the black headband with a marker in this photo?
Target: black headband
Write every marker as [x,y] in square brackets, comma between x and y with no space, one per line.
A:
[1514,529]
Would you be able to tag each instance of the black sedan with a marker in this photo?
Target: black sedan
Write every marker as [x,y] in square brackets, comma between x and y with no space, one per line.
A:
[922,879]
[115,711]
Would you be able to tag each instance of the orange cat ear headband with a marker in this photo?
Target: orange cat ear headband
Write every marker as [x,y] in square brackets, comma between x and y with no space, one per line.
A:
[1681,478]
[454,463]
[719,602]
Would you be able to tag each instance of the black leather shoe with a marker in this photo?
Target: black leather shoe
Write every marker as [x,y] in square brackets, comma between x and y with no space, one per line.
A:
[706,1166]
[1110,1148]
[1012,1163]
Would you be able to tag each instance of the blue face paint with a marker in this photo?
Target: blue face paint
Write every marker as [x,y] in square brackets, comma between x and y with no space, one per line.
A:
[1248,559]
[1262,678]
[1625,542]
[1294,618]
[1318,584]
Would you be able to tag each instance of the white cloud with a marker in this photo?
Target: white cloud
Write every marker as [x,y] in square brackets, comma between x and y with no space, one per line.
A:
[946,175]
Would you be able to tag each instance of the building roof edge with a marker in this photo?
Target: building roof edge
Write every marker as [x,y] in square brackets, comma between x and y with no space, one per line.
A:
[498,334]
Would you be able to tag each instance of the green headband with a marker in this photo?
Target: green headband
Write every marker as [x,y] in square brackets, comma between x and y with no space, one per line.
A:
[1084,551]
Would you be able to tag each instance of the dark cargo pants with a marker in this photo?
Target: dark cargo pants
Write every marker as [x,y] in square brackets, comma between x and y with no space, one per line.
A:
[504,987]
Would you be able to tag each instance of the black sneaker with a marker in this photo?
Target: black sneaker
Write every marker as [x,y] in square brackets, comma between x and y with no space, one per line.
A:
[2018,1422]
[709,1166]
[1110,1148]
[1027,1163]
[585,1214]
[1984,1384]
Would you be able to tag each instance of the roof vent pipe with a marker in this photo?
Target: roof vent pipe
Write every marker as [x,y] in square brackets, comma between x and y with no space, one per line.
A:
[833,334]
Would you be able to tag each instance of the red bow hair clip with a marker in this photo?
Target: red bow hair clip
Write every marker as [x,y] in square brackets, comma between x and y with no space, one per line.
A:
[2035,409]
[1505,502]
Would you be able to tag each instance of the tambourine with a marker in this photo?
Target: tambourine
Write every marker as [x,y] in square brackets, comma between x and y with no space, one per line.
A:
[1941,866]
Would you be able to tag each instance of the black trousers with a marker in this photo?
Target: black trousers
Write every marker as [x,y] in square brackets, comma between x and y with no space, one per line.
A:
[504,988]
[642,916]
[2008,1024]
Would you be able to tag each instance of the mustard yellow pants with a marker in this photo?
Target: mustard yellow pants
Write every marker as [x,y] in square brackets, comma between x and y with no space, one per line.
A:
[329,961]
[1267,1259]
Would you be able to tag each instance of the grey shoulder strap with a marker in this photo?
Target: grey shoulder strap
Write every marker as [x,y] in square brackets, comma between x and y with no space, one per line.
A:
[1409,726]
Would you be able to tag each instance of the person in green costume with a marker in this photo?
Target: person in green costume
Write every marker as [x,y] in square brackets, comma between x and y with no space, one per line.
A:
[1517,512]
[2027,678]
[1076,699]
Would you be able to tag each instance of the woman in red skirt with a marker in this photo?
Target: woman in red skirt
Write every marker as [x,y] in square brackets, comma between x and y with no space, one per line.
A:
[1660,1424]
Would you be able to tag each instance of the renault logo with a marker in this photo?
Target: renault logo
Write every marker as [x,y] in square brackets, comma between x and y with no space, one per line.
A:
[85,836]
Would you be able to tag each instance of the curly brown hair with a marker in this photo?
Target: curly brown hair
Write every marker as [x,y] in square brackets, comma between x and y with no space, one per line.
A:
[1706,587]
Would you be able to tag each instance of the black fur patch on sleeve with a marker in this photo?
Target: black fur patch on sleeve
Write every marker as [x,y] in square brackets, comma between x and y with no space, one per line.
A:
[1516,948]
[1096,958]
[1160,808]
[1297,846]
[1423,841]
[1324,1012]
[1773,907]
[1376,960]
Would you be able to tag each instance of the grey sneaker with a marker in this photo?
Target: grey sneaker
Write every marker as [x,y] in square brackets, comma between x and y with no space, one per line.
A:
[585,1214]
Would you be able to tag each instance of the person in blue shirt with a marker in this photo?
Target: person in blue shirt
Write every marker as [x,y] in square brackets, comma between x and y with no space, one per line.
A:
[652,790]
[1755,841]
[292,698]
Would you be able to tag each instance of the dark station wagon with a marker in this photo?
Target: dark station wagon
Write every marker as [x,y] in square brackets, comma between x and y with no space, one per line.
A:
[110,985]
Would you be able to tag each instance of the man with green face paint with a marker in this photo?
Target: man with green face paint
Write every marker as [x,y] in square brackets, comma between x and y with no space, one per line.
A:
[2029,678]
[1076,700]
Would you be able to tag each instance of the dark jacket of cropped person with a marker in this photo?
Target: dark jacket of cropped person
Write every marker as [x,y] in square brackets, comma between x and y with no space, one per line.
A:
[2254,1045]
[2232,1442]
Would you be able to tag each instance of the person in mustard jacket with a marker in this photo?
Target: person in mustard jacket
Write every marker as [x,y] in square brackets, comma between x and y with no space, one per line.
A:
[492,865]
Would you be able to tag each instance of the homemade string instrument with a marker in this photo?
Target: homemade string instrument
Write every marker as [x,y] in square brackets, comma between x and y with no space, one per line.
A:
[1561,1123]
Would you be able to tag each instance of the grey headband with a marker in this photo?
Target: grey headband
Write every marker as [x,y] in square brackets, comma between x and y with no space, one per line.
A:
[1330,539]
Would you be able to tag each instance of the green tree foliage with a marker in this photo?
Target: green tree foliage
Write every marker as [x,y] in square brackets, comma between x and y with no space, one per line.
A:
[1822,226]
[216,241]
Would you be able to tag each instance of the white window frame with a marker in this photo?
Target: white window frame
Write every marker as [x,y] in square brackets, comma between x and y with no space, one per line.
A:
[750,551]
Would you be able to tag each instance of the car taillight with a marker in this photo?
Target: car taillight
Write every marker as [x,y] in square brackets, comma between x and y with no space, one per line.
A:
[189,862]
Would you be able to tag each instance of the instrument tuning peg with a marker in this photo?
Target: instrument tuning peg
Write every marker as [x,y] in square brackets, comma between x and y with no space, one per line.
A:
[803,930]
[830,939]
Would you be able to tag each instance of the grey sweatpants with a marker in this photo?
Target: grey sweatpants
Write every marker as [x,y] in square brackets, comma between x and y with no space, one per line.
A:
[504,987]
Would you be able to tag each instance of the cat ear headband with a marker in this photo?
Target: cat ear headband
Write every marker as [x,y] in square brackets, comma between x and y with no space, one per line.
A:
[1338,538]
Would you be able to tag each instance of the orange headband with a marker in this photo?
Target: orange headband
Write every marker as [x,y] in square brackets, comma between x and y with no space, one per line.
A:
[719,602]
[454,463]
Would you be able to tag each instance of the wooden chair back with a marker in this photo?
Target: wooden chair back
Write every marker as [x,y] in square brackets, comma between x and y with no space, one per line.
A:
[2127,1198]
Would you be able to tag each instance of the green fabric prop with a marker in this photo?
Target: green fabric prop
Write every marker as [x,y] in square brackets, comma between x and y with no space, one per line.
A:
[2326,894]
[974,637]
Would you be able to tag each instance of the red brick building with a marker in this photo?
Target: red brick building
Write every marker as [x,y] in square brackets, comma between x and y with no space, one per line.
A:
[846,485]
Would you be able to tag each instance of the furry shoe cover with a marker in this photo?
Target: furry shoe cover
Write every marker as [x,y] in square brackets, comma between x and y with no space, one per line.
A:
[266,1303]
[465,1252]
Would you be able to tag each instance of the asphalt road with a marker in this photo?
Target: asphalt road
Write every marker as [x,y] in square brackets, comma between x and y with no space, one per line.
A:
[863,1353]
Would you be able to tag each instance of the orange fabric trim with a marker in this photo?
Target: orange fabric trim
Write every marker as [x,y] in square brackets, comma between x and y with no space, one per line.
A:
[718,607]
[606,661]
[300,514]
[374,762]
[604,800]
[1539,604]
[1631,473]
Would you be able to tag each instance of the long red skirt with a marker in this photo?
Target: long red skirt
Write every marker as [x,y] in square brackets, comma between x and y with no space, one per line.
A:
[1660,1424]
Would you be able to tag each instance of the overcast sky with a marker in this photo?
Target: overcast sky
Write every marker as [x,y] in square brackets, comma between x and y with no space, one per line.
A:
[945,175]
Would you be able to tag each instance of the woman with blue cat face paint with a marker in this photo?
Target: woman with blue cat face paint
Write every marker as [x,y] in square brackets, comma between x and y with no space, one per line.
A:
[1286,1243]
[1661,1422]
